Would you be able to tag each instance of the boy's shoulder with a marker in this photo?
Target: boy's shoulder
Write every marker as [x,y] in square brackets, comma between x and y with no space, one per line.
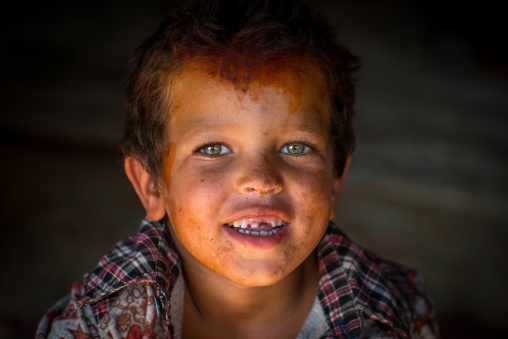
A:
[129,285]
[146,256]
[364,286]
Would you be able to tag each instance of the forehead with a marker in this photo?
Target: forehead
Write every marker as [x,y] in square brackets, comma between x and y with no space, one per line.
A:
[302,84]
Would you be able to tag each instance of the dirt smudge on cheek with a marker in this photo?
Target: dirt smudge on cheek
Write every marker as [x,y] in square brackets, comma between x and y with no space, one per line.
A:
[224,254]
[290,255]
[225,249]
[314,197]
[319,183]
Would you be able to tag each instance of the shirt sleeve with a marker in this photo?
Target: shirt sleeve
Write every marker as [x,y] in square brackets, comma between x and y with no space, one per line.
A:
[375,330]
[420,316]
[423,324]
[132,314]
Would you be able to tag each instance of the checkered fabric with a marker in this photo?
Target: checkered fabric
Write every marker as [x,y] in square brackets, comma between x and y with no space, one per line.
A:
[355,284]
[127,294]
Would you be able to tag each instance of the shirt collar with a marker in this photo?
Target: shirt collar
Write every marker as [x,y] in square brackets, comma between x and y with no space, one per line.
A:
[351,283]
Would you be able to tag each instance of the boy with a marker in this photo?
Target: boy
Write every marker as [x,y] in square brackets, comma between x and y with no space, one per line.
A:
[238,140]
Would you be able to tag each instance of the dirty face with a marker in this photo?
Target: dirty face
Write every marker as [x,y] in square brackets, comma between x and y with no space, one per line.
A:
[249,186]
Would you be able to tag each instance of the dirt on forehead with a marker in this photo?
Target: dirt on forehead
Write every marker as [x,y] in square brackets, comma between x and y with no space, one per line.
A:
[294,76]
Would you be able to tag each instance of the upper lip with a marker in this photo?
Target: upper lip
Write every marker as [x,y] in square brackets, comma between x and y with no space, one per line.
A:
[259,212]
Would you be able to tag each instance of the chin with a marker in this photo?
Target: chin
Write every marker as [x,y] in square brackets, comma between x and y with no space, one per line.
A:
[256,276]
[257,281]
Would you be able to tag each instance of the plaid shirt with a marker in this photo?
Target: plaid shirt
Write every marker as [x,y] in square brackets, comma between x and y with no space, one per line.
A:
[128,294]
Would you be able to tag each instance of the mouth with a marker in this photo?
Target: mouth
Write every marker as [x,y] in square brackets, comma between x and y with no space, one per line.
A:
[262,227]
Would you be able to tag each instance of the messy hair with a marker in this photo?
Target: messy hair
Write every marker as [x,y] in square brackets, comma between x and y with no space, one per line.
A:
[225,33]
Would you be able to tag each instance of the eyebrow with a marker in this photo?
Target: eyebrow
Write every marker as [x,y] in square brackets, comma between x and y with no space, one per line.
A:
[197,128]
[308,125]
[311,125]
[305,125]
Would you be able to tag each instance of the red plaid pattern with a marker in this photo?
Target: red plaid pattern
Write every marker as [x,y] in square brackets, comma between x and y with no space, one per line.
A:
[354,284]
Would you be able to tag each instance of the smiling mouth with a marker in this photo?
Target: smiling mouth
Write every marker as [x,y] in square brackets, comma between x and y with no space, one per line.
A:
[257,228]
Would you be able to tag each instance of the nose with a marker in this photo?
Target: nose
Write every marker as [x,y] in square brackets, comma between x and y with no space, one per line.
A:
[259,175]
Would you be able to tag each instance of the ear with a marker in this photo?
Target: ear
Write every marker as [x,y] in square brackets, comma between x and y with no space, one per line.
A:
[143,184]
[337,184]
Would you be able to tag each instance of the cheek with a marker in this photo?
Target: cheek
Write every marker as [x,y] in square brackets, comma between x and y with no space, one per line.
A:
[314,196]
[193,207]
[314,188]
[205,181]
[193,190]
[200,238]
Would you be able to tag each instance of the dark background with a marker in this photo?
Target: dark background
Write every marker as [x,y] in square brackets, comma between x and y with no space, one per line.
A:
[427,186]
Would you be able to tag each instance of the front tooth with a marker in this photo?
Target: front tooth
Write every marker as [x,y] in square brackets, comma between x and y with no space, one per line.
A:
[237,224]
[273,223]
[254,225]
[244,224]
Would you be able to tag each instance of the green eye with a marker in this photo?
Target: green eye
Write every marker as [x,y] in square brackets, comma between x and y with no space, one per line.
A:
[214,149]
[295,148]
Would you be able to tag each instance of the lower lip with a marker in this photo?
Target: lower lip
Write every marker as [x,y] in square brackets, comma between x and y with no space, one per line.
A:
[259,241]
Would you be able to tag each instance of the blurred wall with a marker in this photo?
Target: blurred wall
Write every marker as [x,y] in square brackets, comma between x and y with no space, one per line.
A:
[426,188]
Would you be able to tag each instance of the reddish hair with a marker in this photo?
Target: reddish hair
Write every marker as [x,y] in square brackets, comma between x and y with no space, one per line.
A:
[232,34]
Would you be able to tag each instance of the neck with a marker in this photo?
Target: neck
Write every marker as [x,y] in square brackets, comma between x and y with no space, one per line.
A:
[214,300]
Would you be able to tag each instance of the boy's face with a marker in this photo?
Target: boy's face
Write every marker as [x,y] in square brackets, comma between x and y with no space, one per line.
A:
[260,158]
